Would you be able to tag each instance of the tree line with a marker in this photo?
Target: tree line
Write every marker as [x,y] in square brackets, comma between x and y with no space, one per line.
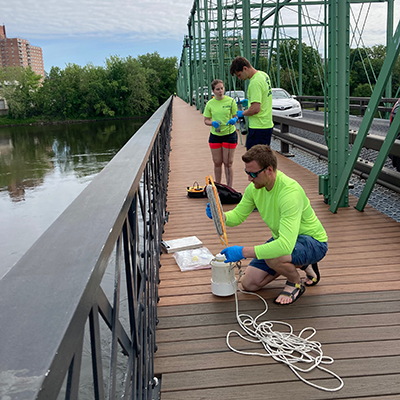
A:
[123,87]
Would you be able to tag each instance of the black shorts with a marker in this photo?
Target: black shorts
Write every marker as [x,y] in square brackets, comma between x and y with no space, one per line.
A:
[227,141]
[258,136]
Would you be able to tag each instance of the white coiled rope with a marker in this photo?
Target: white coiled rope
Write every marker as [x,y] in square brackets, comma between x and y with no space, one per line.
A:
[285,347]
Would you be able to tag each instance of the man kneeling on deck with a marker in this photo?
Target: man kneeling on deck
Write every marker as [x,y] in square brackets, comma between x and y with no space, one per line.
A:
[298,238]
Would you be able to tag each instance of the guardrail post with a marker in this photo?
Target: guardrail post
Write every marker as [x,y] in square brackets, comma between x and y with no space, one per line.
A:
[284,144]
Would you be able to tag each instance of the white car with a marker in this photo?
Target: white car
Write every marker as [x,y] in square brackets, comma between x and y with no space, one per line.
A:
[236,94]
[284,104]
[205,94]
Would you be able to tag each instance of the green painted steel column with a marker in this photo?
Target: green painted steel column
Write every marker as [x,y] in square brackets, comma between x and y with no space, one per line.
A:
[246,30]
[300,34]
[192,57]
[274,30]
[200,67]
[208,45]
[338,98]
[186,73]
[389,35]
[221,52]
[259,37]
[278,50]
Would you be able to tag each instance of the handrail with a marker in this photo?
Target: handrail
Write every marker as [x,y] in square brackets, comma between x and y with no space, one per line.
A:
[356,103]
[387,177]
[57,288]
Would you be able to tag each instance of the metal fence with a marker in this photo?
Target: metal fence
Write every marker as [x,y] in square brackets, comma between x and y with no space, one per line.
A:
[61,294]
[388,178]
[359,104]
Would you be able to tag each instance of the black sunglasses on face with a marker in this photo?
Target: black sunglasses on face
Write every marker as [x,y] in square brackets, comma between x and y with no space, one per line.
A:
[254,174]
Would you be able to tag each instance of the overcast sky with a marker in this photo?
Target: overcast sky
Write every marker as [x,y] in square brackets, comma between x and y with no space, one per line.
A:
[83,31]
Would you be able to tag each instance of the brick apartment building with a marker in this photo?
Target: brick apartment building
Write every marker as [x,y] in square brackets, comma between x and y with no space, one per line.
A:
[18,52]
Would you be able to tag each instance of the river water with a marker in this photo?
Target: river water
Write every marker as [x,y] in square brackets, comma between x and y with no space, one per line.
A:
[43,169]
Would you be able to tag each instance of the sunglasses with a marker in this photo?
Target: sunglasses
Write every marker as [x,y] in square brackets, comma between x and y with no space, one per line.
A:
[254,174]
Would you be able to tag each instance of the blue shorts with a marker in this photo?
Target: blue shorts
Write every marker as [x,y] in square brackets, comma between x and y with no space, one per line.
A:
[306,251]
[258,136]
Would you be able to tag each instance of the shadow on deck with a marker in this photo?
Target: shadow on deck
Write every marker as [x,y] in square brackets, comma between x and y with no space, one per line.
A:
[355,308]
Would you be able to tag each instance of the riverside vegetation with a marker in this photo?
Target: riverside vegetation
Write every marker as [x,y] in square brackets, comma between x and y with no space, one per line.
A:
[123,87]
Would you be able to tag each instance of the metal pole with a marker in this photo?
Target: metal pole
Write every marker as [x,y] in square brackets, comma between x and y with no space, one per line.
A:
[300,34]
[338,113]
[246,30]
[389,35]
[259,37]
[208,45]
[200,67]
[221,53]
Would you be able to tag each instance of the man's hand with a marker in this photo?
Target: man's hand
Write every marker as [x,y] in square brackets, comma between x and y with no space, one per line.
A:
[232,121]
[215,124]
[239,114]
[233,253]
[208,211]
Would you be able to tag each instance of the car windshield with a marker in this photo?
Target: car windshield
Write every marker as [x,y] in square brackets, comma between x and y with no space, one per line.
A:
[280,94]
[237,93]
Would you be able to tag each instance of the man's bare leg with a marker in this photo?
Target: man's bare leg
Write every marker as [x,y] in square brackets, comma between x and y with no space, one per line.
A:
[255,278]
[283,266]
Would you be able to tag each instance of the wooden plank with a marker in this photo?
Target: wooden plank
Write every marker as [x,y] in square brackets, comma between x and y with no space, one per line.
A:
[356,387]
[243,376]
[210,331]
[256,304]
[229,359]
[355,308]
[324,336]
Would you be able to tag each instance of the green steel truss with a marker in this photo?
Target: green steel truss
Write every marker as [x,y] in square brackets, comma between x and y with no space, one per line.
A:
[220,30]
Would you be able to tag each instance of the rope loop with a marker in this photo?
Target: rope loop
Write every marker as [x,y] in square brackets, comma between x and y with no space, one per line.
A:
[284,346]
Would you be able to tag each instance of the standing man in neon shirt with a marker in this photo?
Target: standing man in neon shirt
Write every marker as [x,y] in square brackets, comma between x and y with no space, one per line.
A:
[259,94]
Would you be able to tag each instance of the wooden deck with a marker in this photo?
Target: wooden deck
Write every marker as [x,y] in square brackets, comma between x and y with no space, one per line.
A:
[355,308]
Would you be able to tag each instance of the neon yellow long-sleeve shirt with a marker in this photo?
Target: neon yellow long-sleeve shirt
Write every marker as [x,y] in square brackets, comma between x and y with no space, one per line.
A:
[287,212]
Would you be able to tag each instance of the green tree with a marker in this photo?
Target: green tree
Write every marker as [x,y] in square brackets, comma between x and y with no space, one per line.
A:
[162,75]
[19,87]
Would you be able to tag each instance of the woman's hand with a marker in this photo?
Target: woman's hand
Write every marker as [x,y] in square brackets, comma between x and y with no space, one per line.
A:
[232,121]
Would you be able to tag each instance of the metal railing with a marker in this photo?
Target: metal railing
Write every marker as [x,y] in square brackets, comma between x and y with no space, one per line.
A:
[61,294]
[356,103]
[387,177]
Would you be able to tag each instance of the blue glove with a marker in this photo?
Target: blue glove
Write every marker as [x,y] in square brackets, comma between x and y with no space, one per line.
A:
[239,114]
[232,121]
[208,211]
[233,253]
[215,124]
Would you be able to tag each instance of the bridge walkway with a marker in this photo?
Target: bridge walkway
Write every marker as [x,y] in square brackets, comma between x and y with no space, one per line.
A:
[355,307]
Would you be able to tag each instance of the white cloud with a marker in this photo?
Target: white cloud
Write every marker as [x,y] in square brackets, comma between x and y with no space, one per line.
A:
[41,18]
[82,31]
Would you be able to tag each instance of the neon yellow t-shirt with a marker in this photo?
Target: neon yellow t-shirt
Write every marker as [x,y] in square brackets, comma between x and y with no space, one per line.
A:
[287,212]
[221,110]
[259,91]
